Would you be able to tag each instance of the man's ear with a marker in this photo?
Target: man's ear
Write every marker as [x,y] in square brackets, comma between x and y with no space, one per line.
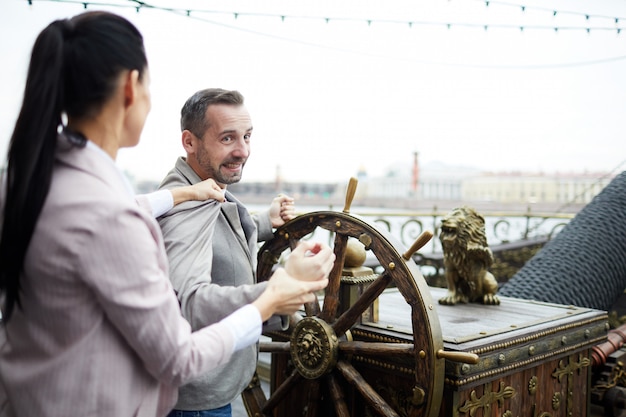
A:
[130,87]
[189,142]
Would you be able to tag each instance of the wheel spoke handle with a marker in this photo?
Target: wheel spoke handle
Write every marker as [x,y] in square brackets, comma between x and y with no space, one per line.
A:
[274,347]
[464,357]
[376,348]
[421,240]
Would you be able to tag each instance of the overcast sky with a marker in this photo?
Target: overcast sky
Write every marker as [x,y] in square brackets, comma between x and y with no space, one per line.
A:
[328,97]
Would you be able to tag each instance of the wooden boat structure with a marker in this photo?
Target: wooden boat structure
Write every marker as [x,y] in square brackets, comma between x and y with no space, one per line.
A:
[378,343]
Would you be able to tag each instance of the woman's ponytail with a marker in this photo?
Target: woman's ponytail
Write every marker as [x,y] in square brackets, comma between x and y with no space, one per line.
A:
[31,157]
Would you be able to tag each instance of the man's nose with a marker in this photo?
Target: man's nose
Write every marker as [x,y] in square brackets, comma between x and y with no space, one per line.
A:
[242,149]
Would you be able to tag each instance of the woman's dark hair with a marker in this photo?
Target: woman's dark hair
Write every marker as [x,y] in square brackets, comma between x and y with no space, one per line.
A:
[75,64]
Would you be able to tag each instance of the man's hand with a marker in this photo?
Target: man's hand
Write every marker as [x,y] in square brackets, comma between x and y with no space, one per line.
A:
[282,209]
[310,261]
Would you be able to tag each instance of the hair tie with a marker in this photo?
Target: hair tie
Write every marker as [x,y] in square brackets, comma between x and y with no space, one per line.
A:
[75,138]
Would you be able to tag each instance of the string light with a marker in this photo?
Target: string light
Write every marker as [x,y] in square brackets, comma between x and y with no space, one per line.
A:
[554,12]
[138,5]
[196,15]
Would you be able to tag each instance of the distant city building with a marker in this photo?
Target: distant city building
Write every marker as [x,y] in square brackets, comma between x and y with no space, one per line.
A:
[579,188]
[433,181]
[436,181]
[473,186]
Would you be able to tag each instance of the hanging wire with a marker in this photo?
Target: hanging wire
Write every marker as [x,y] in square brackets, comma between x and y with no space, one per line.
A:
[196,14]
[553,12]
[137,4]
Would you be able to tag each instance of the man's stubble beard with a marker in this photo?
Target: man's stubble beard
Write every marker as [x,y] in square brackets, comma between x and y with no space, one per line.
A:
[203,160]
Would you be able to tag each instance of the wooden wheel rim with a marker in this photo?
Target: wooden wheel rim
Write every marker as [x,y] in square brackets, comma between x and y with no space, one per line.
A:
[428,340]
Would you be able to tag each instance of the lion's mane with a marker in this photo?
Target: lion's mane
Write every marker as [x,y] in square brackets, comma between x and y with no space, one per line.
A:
[463,237]
[466,255]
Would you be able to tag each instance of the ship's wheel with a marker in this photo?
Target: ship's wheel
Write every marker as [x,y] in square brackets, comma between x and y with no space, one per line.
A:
[321,346]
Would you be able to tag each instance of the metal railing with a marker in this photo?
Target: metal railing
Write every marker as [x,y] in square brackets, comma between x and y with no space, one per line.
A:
[500,227]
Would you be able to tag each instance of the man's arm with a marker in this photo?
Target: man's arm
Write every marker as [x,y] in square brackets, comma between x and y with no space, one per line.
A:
[188,235]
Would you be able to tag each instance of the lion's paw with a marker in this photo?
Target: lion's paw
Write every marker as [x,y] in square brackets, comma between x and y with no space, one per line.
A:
[491,299]
[451,299]
[447,301]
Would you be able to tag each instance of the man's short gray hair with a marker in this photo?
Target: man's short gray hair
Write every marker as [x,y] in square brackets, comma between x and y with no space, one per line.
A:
[192,115]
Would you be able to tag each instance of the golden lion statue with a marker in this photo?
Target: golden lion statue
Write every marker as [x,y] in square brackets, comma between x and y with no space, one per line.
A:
[466,258]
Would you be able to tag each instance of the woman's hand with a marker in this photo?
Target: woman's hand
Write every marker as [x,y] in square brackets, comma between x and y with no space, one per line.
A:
[203,190]
[286,295]
[305,272]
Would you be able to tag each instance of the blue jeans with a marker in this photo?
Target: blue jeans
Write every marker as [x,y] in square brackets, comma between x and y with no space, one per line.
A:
[225,411]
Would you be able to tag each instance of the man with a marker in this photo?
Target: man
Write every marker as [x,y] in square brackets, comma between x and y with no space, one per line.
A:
[214,275]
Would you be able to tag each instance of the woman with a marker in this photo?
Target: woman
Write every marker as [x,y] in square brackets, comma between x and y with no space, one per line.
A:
[91,325]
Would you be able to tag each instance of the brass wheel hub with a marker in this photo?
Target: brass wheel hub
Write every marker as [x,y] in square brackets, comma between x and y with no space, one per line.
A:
[314,347]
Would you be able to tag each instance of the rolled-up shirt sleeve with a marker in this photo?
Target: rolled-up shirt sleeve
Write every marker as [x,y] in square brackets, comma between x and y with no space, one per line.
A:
[245,325]
[157,203]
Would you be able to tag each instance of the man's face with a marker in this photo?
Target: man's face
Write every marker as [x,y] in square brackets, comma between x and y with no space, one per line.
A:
[225,146]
